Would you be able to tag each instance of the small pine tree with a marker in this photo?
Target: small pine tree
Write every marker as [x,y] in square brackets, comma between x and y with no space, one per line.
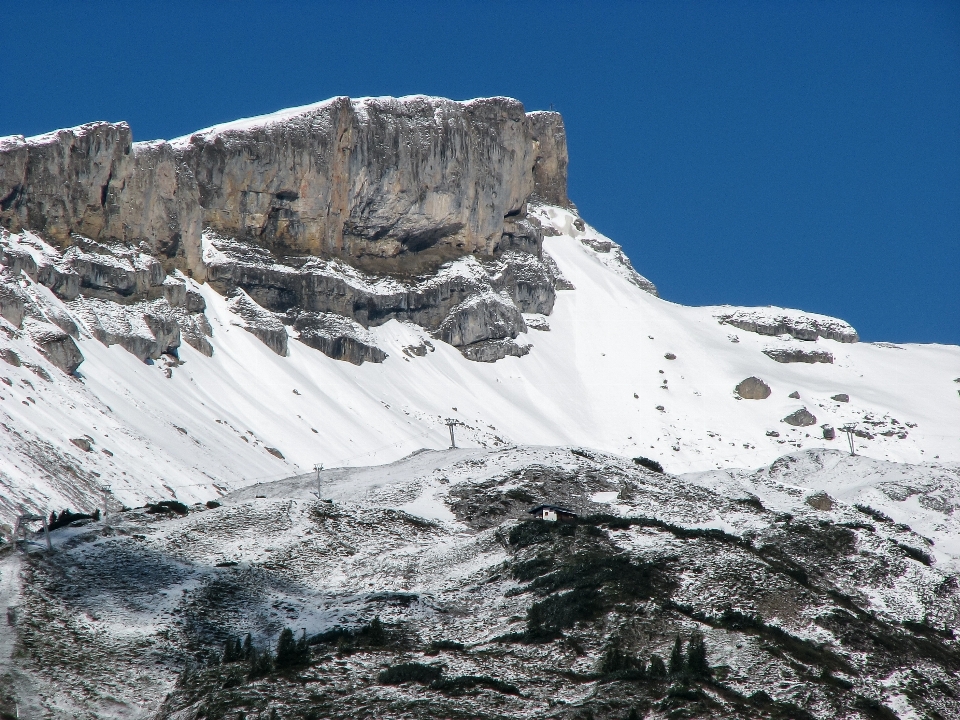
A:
[697,663]
[53,519]
[228,654]
[634,715]
[376,634]
[247,647]
[237,650]
[261,663]
[657,670]
[287,655]
[676,657]
[303,649]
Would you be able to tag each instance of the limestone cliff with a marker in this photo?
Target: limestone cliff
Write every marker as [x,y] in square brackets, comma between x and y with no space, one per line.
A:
[354,208]
[360,179]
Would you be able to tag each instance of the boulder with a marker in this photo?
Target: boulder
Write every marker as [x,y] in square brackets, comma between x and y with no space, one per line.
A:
[829,433]
[13,301]
[820,501]
[794,355]
[841,397]
[795,395]
[753,388]
[800,418]
[56,345]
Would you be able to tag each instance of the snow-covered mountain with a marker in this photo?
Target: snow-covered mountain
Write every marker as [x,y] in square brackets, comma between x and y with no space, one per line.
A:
[597,373]
[206,321]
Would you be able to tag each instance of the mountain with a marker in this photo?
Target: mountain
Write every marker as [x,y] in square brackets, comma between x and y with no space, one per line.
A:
[206,320]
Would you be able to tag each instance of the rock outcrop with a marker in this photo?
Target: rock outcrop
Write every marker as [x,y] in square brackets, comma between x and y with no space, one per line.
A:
[338,337]
[781,321]
[259,322]
[795,355]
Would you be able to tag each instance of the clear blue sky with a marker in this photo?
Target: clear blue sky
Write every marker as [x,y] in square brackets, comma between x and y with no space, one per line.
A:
[804,154]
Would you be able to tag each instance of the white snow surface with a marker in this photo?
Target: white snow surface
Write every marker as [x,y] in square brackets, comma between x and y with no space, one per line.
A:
[593,380]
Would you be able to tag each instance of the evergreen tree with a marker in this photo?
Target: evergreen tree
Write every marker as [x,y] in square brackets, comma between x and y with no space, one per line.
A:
[237,650]
[261,663]
[657,671]
[303,649]
[633,714]
[676,657]
[697,663]
[53,519]
[376,634]
[247,647]
[287,655]
[228,654]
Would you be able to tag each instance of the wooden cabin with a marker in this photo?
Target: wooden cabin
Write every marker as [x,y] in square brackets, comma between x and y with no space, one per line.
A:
[553,513]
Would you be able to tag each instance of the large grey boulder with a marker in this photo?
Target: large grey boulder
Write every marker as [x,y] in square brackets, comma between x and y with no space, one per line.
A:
[56,345]
[800,418]
[753,388]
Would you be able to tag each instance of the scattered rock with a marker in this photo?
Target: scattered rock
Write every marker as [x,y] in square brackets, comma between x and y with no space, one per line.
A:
[83,443]
[828,432]
[841,397]
[419,350]
[793,355]
[273,451]
[753,388]
[772,433]
[800,418]
[795,395]
[820,501]
[670,356]
[661,408]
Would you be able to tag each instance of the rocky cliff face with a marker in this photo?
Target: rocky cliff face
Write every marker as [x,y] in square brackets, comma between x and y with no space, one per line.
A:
[350,207]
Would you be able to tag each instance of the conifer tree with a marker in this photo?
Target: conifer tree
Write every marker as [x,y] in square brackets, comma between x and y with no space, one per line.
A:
[228,655]
[697,663]
[676,657]
[247,647]
[657,670]
[376,635]
[303,649]
[287,655]
[237,650]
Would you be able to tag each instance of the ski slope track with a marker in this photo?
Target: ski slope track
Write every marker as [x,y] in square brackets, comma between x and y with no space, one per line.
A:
[200,426]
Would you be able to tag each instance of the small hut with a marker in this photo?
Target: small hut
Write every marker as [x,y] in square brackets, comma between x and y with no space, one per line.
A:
[553,513]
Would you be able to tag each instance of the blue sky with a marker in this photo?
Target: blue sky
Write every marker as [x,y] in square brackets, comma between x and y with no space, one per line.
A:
[804,154]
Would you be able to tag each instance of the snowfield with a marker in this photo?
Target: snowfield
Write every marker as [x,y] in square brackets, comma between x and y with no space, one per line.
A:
[619,370]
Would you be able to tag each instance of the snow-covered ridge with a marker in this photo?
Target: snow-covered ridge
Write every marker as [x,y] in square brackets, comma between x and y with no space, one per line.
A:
[620,370]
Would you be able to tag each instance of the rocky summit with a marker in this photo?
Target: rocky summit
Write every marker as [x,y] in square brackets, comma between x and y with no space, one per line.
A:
[345,411]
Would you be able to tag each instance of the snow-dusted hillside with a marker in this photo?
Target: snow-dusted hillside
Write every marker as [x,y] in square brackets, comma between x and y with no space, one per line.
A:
[613,367]
[813,604]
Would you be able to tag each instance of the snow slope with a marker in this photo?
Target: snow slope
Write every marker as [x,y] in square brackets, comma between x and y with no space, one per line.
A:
[598,377]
